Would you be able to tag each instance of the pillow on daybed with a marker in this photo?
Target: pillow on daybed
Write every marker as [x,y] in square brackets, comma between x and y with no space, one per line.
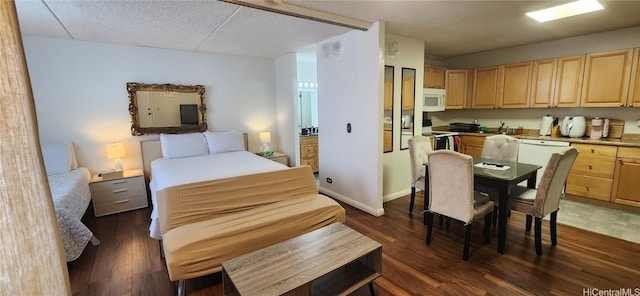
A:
[59,158]
[219,142]
[183,145]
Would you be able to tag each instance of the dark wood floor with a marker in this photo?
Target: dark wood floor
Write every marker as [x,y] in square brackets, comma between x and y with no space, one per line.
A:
[127,262]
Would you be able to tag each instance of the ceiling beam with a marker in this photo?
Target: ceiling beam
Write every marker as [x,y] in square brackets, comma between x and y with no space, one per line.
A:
[280,7]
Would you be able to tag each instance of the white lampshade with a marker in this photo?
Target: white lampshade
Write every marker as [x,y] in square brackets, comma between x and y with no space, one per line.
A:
[265,137]
[116,151]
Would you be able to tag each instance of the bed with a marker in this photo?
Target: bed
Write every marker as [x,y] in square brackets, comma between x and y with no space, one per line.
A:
[69,185]
[167,172]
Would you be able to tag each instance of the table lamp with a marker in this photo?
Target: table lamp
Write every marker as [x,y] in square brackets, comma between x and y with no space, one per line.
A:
[265,138]
[115,151]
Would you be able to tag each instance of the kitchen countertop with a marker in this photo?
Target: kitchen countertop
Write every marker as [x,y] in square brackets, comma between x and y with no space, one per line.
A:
[627,140]
[309,135]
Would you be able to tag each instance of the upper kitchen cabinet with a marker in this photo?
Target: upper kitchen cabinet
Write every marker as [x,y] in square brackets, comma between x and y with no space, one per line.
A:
[433,78]
[485,87]
[457,87]
[606,79]
[408,92]
[515,85]
[388,92]
[543,81]
[634,87]
[569,77]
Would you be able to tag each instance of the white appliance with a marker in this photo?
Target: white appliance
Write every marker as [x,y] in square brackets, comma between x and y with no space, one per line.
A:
[574,127]
[538,152]
[406,121]
[433,99]
[404,138]
[545,125]
[596,128]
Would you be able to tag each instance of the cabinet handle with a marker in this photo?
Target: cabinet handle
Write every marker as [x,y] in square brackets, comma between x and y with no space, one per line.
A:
[621,105]
[119,182]
[590,166]
[121,190]
[121,201]
[593,150]
[588,188]
[630,105]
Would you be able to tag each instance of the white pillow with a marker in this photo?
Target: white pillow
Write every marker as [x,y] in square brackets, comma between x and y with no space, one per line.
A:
[57,158]
[219,142]
[183,145]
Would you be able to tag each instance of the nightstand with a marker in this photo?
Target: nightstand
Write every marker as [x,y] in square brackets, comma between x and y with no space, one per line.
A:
[280,157]
[117,195]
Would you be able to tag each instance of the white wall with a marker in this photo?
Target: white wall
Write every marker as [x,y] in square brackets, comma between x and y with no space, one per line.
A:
[80,94]
[397,169]
[350,91]
[287,104]
[530,118]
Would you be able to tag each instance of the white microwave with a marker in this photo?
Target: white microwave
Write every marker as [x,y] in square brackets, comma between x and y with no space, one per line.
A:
[433,99]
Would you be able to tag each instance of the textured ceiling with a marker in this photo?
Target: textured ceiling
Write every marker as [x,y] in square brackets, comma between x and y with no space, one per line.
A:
[449,28]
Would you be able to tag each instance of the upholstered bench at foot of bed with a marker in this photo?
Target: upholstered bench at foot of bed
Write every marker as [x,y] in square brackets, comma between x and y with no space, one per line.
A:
[200,248]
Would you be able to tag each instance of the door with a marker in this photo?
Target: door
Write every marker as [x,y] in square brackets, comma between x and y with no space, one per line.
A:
[485,87]
[626,188]
[456,85]
[569,81]
[606,79]
[515,85]
[634,87]
[543,81]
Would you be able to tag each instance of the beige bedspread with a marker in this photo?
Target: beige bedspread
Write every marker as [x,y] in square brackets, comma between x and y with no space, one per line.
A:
[207,223]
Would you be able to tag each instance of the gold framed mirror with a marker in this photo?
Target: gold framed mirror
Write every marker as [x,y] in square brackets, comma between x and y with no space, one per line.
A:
[166,108]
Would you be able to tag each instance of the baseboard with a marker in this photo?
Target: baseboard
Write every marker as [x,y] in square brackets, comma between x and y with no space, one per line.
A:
[354,203]
[395,195]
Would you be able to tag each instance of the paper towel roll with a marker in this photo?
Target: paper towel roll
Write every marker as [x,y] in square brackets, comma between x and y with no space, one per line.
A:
[545,125]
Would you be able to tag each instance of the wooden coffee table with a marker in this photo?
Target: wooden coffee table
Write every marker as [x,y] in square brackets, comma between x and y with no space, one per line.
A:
[333,260]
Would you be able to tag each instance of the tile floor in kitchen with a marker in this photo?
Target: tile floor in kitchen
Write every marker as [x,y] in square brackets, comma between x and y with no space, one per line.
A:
[602,220]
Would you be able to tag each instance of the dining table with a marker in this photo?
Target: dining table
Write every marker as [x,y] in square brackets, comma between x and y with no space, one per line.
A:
[499,175]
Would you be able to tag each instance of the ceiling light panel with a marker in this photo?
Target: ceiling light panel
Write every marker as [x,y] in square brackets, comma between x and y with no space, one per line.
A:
[565,10]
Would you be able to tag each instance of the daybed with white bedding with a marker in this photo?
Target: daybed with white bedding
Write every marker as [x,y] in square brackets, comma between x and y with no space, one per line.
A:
[190,158]
[69,185]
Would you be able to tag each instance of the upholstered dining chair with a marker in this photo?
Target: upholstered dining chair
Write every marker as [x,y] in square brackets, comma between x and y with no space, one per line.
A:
[545,200]
[451,194]
[419,148]
[501,147]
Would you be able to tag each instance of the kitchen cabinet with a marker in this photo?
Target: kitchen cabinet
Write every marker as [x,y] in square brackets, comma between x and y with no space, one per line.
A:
[515,85]
[591,175]
[485,87]
[543,83]
[569,76]
[626,186]
[388,94]
[309,152]
[434,78]
[606,79]
[634,87]
[457,88]
[388,141]
[408,92]
[472,145]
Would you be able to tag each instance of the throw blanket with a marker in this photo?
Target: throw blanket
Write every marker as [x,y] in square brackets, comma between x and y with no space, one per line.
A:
[189,203]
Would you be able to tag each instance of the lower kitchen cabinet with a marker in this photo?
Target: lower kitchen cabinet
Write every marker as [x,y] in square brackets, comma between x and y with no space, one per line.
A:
[472,145]
[591,175]
[626,188]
